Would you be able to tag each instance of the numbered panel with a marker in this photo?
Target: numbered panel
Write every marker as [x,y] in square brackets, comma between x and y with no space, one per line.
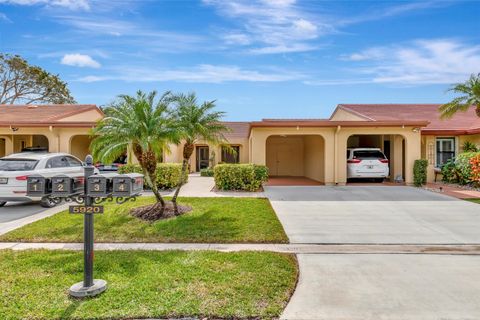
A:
[38,186]
[65,185]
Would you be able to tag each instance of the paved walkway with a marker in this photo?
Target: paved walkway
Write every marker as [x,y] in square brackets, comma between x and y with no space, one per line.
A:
[386,287]
[198,186]
[283,248]
[12,225]
[452,191]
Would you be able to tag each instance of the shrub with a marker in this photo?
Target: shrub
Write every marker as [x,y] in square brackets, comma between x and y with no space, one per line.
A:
[469,147]
[167,174]
[206,172]
[475,169]
[420,172]
[450,172]
[247,177]
[464,168]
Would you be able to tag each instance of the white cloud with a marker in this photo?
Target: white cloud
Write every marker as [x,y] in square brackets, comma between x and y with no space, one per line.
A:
[79,60]
[69,4]
[438,61]
[271,26]
[204,73]
[4,18]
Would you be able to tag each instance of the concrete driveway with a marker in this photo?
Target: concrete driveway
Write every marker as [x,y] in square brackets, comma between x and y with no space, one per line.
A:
[374,214]
[381,287]
[18,210]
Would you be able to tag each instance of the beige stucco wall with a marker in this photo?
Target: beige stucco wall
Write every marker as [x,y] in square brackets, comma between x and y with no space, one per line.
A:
[342,115]
[335,145]
[314,153]
[59,139]
[429,150]
[285,156]
[175,153]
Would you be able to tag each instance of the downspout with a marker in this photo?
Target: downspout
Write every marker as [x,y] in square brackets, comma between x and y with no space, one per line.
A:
[335,154]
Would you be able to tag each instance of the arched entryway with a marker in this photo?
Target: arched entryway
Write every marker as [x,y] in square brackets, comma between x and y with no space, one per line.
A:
[296,158]
[392,145]
[80,146]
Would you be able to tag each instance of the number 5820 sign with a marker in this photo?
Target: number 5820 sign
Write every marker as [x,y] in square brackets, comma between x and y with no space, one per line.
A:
[86,209]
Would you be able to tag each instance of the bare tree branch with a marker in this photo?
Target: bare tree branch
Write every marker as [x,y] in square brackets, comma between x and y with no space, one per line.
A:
[23,83]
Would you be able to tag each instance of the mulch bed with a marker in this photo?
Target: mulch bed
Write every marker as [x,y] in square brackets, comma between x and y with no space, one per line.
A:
[153,212]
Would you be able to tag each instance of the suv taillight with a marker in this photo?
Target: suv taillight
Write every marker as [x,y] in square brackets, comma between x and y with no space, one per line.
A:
[383,160]
[354,161]
[21,178]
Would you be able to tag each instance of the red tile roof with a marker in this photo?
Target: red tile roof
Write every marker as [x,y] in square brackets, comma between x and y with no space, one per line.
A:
[42,114]
[239,129]
[460,123]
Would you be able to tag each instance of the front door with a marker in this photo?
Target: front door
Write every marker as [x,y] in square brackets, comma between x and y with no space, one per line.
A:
[202,158]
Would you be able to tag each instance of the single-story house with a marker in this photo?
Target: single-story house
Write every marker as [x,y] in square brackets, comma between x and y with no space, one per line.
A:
[311,148]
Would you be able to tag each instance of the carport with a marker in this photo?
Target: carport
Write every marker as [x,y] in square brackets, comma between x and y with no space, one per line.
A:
[296,159]
[393,146]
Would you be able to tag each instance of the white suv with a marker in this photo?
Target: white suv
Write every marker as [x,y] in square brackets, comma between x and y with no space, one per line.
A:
[367,163]
[15,168]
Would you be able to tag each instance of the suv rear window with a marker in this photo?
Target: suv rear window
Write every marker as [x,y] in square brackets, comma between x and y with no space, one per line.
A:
[368,154]
[17,164]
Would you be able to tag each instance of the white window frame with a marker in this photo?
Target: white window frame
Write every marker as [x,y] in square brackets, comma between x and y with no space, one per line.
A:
[455,144]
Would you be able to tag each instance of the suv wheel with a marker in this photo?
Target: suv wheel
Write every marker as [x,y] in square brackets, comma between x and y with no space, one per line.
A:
[2,203]
[47,203]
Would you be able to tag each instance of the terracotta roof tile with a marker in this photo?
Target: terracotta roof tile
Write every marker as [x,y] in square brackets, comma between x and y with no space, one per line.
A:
[239,129]
[17,114]
[462,121]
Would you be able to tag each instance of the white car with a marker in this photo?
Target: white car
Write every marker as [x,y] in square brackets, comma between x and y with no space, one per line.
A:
[367,163]
[15,168]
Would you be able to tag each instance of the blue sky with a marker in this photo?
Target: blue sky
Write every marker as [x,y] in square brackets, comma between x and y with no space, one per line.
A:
[257,58]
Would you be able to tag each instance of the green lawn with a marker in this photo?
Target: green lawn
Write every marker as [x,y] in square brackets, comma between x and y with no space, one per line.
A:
[145,284]
[476,200]
[221,220]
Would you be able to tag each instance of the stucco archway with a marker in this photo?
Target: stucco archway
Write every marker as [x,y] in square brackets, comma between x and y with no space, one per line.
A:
[392,145]
[296,156]
[80,146]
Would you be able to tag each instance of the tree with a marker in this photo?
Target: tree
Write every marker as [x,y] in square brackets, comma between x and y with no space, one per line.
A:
[23,83]
[470,96]
[143,124]
[196,122]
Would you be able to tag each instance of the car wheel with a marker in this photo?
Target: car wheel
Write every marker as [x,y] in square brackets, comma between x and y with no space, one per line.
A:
[47,203]
[2,203]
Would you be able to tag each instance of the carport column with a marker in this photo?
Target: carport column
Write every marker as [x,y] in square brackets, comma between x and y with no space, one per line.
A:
[8,145]
[396,156]
[340,164]
[258,145]
[413,151]
[330,166]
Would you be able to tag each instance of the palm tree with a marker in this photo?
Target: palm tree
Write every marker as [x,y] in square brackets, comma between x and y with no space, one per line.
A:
[141,123]
[470,91]
[196,122]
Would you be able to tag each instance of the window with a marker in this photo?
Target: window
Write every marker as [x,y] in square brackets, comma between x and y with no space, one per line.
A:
[57,162]
[74,162]
[10,164]
[445,150]
[368,154]
[231,157]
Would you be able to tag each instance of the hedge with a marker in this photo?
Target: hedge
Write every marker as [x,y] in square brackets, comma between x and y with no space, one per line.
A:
[462,170]
[206,172]
[420,172]
[245,177]
[168,174]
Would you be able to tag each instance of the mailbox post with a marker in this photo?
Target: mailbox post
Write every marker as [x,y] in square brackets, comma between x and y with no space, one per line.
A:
[89,287]
[88,191]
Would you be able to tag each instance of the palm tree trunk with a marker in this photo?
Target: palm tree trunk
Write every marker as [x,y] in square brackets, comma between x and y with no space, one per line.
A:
[187,153]
[148,162]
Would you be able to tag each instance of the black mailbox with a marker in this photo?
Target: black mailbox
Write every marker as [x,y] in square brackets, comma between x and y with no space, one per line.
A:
[67,185]
[127,185]
[38,186]
[100,185]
